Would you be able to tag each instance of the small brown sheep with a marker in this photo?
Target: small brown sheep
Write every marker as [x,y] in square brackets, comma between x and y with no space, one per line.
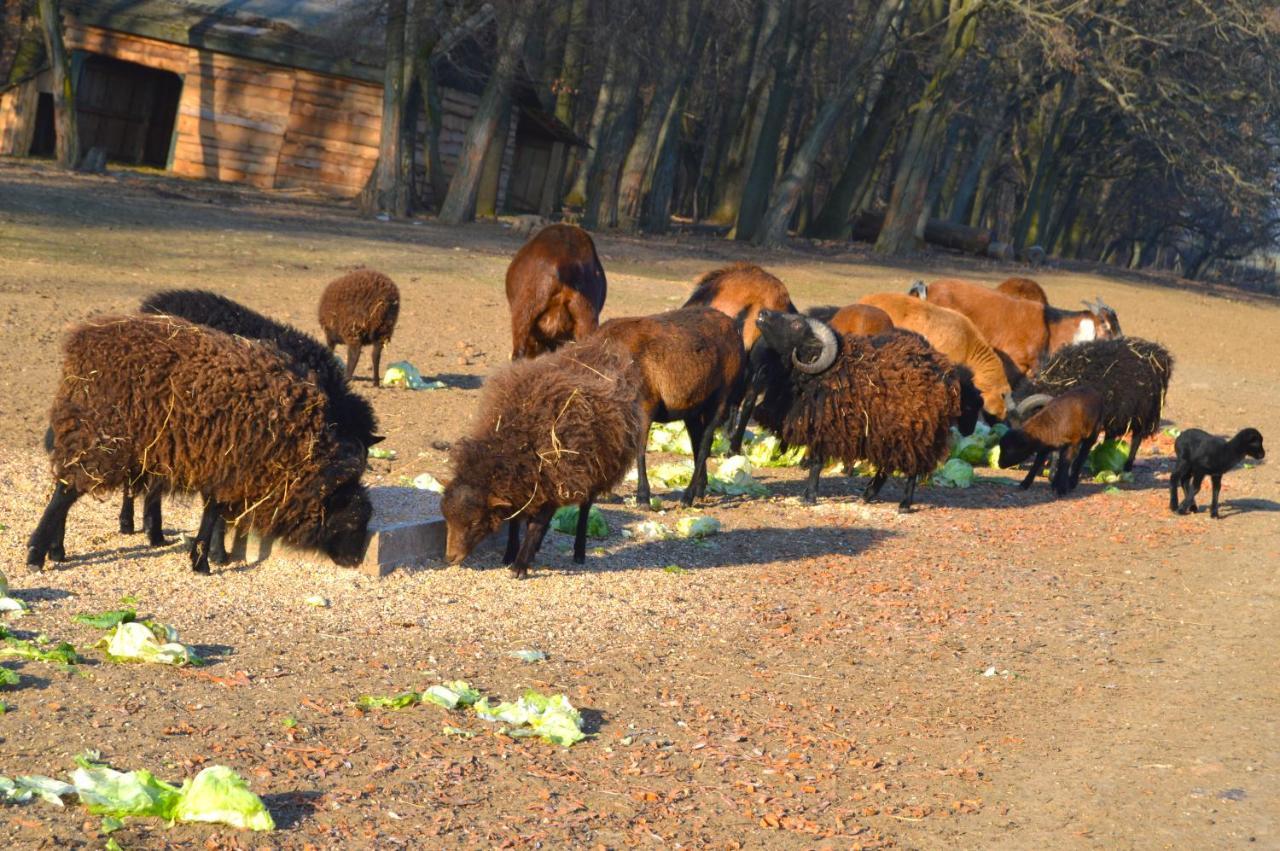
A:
[556,289]
[360,309]
[551,431]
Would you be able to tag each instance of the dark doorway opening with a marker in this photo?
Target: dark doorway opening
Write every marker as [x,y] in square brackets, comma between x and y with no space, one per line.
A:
[43,139]
[127,109]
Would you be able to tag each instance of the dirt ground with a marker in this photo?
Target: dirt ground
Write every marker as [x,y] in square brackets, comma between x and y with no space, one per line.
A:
[814,679]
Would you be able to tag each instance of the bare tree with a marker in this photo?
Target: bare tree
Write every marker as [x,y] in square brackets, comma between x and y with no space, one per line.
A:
[64,96]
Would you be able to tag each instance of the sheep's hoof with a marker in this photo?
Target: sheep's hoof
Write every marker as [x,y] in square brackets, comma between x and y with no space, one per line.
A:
[809,499]
[519,571]
[904,509]
[57,553]
[1214,515]
[126,527]
[35,561]
[579,559]
[218,557]
[157,541]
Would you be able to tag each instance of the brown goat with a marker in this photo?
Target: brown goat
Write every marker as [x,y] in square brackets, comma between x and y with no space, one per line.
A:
[360,309]
[1023,330]
[956,337]
[556,289]
[164,402]
[740,291]
[551,431]
[1023,288]
[691,368]
[1068,424]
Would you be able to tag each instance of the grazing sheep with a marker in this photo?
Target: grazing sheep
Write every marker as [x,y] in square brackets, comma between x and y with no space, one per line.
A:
[1022,329]
[1066,424]
[194,410]
[889,400]
[863,319]
[956,337]
[1132,375]
[360,309]
[691,368]
[556,289]
[1202,454]
[1023,288]
[350,414]
[741,291]
[552,431]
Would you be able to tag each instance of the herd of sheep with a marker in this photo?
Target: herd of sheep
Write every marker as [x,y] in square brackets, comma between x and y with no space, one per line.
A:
[198,394]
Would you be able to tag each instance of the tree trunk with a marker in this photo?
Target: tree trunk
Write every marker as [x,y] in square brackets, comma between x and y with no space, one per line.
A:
[834,220]
[571,62]
[64,96]
[967,187]
[640,159]
[773,228]
[764,161]
[905,215]
[459,203]
[605,98]
[388,192]
[742,144]
[657,202]
[1041,185]
[602,190]
[432,110]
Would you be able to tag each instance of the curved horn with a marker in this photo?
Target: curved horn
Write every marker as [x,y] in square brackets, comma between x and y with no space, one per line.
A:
[1092,308]
[1031,404]
[829,349]
[1102,305]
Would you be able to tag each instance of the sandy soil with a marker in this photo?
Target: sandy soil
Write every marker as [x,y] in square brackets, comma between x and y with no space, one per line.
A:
[813,679]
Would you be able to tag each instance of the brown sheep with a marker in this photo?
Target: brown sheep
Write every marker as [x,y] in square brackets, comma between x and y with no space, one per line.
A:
[1023,288]
[956,337]
[556,290]
[551,431]
[691,366]
[360,309]
[861,319]
[1068,424]
[741,291]
[888,399]
[1023,330]
[160,400]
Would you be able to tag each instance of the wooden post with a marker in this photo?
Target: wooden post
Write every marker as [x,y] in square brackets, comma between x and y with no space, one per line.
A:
[64,96]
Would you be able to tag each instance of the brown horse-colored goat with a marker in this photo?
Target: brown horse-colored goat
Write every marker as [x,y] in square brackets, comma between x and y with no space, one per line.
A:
[556,289]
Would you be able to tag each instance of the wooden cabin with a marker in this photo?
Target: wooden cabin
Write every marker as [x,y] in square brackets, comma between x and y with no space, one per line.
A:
[239,93]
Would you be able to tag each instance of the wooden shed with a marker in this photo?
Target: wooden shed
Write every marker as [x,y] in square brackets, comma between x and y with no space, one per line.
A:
[268,93]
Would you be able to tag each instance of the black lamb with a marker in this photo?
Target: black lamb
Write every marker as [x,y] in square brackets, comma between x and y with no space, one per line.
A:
[1202,454]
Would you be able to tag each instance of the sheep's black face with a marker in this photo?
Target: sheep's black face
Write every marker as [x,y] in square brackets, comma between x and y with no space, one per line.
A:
[1108,324]
[470,513]
[1253,444]
[786,333]
[1015,447]
[346,524]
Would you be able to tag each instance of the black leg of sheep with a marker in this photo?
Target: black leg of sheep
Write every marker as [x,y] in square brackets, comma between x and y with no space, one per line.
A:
[872,490]
[376,352]
[126,514]
[513,540]
[534,534]
[580,535]
[218,543]
[200,546]
[1036,467]
[1135,442]
[1180,477]
[52,524]
[811,486]
[353,358]
[904,507]
[152,524]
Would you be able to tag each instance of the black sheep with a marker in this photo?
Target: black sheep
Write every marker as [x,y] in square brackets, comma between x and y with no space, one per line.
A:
[1067,424]
[1132,375]
[1202,454]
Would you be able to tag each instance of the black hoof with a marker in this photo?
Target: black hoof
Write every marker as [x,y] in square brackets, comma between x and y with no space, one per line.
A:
[904,509]
[35,561]
[126,527]
[157,541]
[57,554]
[582,559]
[201,567]
[1024,485]
[520,572]
[218,558]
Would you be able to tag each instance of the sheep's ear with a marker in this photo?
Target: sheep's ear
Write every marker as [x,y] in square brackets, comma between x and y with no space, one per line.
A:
[377,438]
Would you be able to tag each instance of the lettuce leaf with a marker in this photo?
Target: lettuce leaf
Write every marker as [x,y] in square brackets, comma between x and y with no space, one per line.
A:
[217,794]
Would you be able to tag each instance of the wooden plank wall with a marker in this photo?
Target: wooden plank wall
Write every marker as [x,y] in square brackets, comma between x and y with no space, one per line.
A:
[240,120]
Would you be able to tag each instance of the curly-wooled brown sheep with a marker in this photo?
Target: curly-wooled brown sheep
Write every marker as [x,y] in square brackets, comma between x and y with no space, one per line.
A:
[556,289]
[889,399]
[181,406]
[360,309]
[1132,375]
[551,431]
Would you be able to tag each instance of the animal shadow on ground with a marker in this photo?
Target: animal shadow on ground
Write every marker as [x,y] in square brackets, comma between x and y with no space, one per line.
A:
[1232,507]
[212,654]
[131,551]
[461,380]
[592,720]
[30,595]
[289,809]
